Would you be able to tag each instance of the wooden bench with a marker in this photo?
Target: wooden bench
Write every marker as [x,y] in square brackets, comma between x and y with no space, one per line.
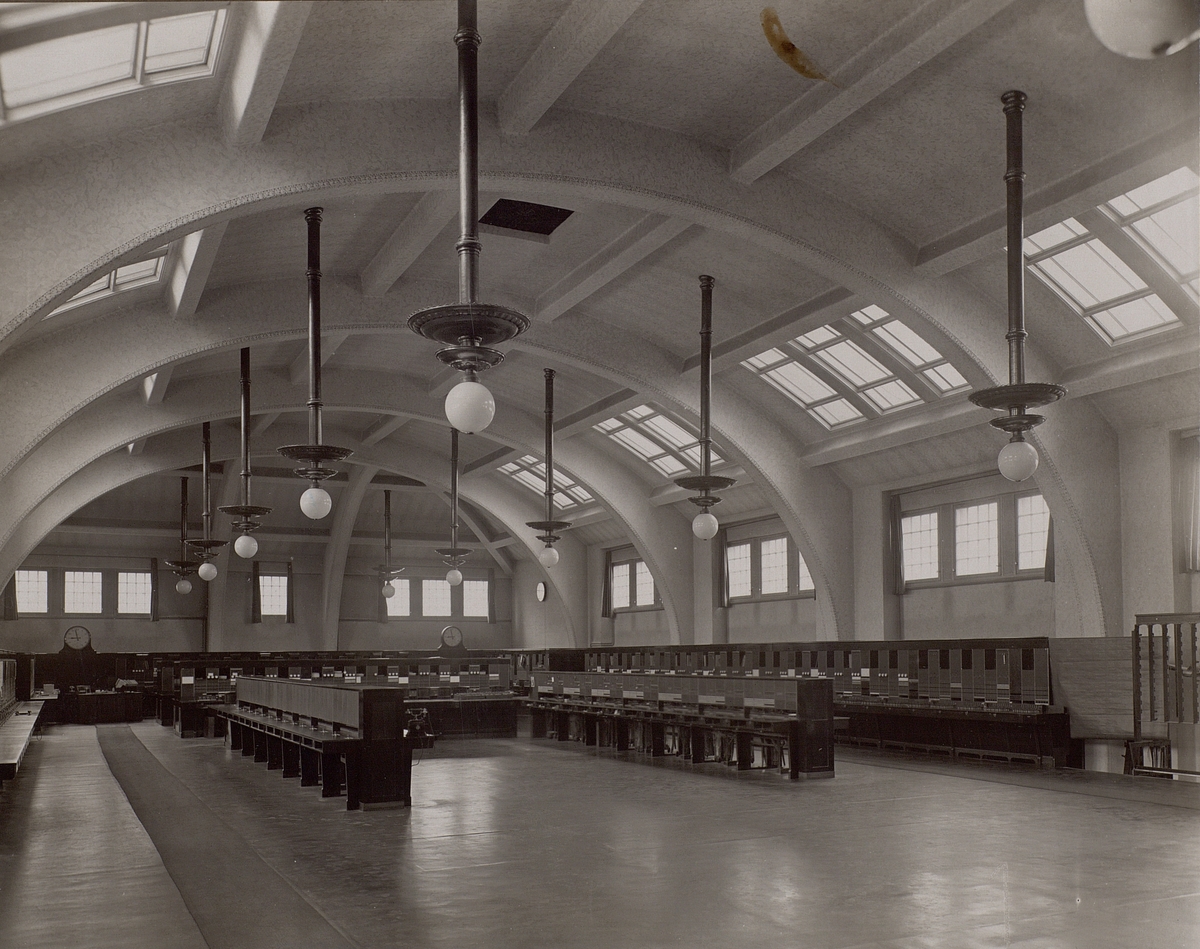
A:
[334,734]
[15,733]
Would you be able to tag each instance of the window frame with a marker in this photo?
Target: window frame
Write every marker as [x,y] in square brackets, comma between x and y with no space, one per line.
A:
[1007,540]
[794,590]
[149,592]
[262,599]
[16,590]
[632,561]
[84,570]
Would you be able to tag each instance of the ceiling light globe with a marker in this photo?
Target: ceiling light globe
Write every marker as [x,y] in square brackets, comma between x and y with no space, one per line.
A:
[470,407]
[389,591]
[705,526]
[454,576]
[183,587]
[1018,461]
[316,503]
[245,546]
[207,571]
[548,556]
[1141,29]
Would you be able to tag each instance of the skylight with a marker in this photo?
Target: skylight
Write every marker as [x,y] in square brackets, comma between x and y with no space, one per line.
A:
[670,448]
[866,364]
[1101,282]
[532,473]
[127,277]
[67,71]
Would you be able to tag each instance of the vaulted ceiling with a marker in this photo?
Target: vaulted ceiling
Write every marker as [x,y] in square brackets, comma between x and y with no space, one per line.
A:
[680,143]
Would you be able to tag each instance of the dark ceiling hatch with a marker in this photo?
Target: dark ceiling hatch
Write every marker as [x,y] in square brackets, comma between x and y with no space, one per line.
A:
[537,221]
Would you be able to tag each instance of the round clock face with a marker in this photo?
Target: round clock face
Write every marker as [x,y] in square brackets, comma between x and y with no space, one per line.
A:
[77,637]
[451,636]
[541,591]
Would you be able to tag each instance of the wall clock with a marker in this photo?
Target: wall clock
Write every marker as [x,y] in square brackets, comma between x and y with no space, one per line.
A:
[540,591]
[452,636]
[77,637]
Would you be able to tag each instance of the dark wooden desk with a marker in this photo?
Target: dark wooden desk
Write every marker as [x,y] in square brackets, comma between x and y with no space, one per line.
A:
[98,708]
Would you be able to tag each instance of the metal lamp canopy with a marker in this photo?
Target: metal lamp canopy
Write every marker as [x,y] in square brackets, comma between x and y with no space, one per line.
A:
[245,514]
[704,524]
[315,503]
[1018,460]
[468,329]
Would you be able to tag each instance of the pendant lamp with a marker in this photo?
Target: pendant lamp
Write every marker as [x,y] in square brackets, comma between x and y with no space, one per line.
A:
[246,513]
[548,556]
[183,567]
[468,329]
[453,556]
[207,547]
[385,571]
[1018,459]
[315,502]
[704,524]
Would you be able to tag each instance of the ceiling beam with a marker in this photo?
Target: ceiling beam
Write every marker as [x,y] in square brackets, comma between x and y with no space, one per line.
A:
[442,382]
[923,34]
[772,331]
[264,533]
[298,370]
[492,460]
[631,248]
[154,386]
[573,42]
[476,527]
[582,420]
[261,423]
[270,33]
[193,263]
[415,233]
[1078,192]
[382,428]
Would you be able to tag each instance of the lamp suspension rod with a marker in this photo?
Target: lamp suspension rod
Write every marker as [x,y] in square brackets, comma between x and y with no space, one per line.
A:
[387,531]
[549,373]
[206,442]
[706,288]
[313,272]
[453,487]
[1014,180]
[467,39]
[245,426]
[183,506]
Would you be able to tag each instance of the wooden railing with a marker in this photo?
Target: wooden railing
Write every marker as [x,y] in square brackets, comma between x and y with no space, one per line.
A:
[1166,689]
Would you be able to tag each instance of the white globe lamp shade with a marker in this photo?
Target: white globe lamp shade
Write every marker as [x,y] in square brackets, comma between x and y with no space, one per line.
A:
[183,587]
[470,407]
[1143,29]
[705,526]
[1018,461]
[454,576]
[245,546]
[389,591]
[548,556]
[207,571]
[316,503]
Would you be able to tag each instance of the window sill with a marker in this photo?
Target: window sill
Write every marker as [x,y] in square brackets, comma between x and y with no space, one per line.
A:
[637,609]
[913,585]
[773,597]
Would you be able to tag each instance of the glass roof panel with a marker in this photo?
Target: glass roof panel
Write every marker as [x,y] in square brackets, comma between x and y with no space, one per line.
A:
[530,480]
[822,334]
[1178,182]
[1174,235]
[945,377]
[837,412]
[131,273]
[849,361]
[906,343]
[796,381]
[1137,316]
[1089,274]
[669,465]
[870,314]
[640,412]
[638,443]
[763,360]
[67,64]
[674,435]
[1054,235]
[608,425]
[178,41]
[891,395]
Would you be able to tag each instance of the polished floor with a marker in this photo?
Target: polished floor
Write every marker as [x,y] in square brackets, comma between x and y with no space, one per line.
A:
[536,844]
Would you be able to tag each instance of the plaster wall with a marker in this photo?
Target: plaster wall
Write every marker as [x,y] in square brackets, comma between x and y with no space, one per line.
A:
[536,624]
[1007,608]
[773,621]
[1146,536]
